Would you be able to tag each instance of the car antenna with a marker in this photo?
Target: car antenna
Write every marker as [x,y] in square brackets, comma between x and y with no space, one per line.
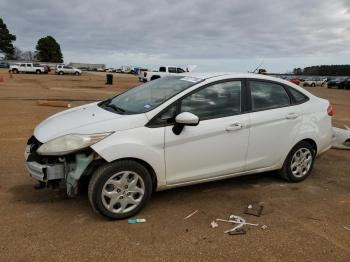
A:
[254,71]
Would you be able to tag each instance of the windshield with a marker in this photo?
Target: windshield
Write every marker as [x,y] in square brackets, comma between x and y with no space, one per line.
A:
[148,96]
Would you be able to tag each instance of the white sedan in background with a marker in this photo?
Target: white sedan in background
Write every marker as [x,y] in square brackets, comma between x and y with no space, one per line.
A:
[177,131]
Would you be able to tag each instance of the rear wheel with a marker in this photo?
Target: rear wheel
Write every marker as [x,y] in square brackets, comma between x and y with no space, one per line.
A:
[76,73]
[60,73]
[313,84]
[299,162]
[121,189]
[38,72]
[15,71]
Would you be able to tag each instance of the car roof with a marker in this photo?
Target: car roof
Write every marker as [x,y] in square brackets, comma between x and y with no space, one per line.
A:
[208,75]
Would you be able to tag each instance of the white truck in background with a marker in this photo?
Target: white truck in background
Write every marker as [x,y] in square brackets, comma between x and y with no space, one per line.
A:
[164,71]
[28,68]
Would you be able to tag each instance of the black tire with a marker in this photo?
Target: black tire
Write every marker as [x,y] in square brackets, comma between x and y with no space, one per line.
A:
[76,73]
[15,71]
[286,171]
[60,73]
[104,173]
[313,84]
[38,72]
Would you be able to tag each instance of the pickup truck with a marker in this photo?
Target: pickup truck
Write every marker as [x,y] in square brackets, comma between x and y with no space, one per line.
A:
[315,82]
[28,68]
[62,69]
[163,71]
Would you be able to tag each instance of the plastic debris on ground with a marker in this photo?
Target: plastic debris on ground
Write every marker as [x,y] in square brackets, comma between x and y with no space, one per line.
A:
[137,220]
[214,224]
[239,223]
[193,213]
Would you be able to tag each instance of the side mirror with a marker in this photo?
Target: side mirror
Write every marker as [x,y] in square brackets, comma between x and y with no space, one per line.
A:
[187,119]
[184,119]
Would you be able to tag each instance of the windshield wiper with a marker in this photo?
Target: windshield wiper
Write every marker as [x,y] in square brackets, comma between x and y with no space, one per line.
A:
[116,108]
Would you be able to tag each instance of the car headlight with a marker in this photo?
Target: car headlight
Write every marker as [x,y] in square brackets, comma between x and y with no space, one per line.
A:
[69,143]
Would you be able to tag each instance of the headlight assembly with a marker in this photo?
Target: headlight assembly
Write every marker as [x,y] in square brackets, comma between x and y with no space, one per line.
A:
[69,143]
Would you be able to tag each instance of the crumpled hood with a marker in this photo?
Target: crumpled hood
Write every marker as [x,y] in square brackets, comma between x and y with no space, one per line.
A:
[86,119]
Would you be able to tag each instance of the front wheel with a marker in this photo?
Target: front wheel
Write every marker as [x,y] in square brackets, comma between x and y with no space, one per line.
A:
[38,72]
[120,190]
[76,73]
[299,162]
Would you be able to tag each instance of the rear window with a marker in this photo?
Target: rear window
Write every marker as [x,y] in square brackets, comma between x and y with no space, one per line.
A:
[266,95]
[298,96]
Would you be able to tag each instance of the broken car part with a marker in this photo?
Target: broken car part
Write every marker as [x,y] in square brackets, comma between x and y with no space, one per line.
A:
[341,138]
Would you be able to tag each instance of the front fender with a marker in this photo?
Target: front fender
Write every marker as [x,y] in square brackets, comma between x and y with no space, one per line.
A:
[146,144]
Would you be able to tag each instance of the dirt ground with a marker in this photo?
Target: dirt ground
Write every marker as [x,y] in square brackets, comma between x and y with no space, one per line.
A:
[308,221]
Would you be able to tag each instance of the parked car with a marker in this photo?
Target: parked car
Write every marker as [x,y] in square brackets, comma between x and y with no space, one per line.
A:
[163,71]
[294,81]
[63,69]
[110,70]
[339,82]
[4,65]
[177,131]
[27,68]
[315,82]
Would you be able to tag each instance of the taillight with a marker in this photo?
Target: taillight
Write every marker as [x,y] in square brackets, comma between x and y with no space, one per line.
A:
[330,110]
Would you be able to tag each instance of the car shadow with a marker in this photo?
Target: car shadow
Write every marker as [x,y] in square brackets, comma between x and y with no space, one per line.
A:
[26,193]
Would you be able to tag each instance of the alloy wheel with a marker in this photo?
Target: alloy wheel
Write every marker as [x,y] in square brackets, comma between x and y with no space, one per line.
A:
[123,192]
[301,162]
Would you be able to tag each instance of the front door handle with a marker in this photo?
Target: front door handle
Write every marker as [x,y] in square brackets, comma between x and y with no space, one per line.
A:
[234,126]
[292,116]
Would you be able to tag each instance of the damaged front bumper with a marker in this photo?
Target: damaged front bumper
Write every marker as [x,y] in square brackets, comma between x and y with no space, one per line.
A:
[45,173]
[52,170]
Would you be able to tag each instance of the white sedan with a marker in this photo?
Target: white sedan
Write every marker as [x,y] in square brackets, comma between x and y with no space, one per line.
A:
[177,131]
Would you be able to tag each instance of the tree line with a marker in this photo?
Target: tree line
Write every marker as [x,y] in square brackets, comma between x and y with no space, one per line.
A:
[324,70]
[46,50]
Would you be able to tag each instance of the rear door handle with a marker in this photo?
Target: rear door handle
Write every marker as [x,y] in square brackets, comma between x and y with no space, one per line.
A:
[234,126]
[292,116]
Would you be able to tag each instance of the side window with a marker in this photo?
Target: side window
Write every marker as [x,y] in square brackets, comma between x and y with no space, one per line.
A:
[298,96]
[172,70]
[167,116]
[162,69]
[29,65]
[266,95]
[218,100]
[23,65]
[180,70]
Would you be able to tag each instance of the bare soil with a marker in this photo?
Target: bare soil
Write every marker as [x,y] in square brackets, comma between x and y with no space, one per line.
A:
[306,221]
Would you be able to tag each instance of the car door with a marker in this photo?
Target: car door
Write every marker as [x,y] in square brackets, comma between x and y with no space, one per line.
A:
[217,145]
[274,122]
[29,68]
[22,68]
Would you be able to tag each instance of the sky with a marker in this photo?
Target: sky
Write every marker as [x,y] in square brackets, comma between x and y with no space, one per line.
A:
[223,35]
